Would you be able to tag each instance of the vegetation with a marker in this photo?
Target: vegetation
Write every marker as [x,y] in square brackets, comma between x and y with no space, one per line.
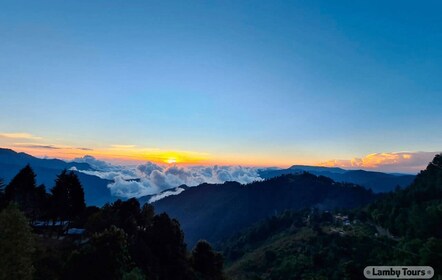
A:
[414,212]
[401,228]
[55,236]
[214,212]
[67,200]
[16,245]
[207,263]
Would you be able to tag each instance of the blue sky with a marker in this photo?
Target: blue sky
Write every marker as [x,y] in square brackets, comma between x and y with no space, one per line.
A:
[250,82]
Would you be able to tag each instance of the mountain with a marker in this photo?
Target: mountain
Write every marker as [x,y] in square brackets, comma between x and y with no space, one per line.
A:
[416,211]
[377,181]
[399,228]
[8,156]
[96,191]
[313,169]
[215,211]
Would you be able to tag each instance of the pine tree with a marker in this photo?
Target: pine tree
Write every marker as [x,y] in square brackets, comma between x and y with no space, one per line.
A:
[67,197]
[76,195]
[21,190]
[60,197]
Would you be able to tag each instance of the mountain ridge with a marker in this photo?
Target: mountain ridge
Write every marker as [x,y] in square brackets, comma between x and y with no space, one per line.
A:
[96,191]
[377,181]
[214,211]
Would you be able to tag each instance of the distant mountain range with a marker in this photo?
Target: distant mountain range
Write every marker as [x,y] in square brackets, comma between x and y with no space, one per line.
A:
[96,191]
[215,211]
[377,181]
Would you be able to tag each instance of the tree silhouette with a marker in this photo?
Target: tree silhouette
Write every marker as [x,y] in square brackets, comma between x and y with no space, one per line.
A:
[159,249]
[16,245]
[207,263]
[104,257]
[41,201]
[67,197]
[21,190]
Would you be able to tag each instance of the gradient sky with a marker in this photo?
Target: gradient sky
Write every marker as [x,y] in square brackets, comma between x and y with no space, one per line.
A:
[228,82]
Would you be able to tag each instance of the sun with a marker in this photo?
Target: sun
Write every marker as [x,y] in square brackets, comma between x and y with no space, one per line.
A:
[171,160]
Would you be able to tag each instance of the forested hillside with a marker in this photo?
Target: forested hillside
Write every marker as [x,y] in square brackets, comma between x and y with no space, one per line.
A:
[56,235]
[401,228]
[216,211]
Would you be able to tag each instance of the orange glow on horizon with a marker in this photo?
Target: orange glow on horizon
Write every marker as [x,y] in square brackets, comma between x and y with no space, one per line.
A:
[128,154]
[121,154]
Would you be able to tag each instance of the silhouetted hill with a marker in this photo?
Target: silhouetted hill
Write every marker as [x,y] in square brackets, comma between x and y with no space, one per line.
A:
[215,211]
[8,156]
[416,211]
[95,189]
[313,169]
[401,227]
[377,181]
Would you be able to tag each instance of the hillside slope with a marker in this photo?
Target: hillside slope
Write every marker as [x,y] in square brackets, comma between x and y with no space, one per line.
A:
[215,211]
[402,228]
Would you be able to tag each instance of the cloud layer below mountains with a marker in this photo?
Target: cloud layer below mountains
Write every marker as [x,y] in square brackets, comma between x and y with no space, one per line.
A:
[151,178]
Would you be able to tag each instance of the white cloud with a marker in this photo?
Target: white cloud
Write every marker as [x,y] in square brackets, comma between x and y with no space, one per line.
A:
[19,135]
[153,178]
[165,194]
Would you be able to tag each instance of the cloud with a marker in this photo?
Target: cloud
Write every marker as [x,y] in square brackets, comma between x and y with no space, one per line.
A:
[45,146]
[38,146]
[116,146]
[152,178]
[148,168]
[95,163]
[19,135]
[408,162]
[162,195]
[84,149]
[131,188]
[106,170]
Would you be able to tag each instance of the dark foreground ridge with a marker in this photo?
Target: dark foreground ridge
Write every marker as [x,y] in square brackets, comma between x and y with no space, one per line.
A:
[402,228]
[55,236]
[215,211]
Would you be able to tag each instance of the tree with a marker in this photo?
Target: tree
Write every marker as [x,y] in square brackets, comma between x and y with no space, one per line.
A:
[123,214]
[134,274]
[2,195]
[207,263]
[41,200]
[106,256]
[146,215]
[67,196]
[21,190]
[16,245]
[159,250]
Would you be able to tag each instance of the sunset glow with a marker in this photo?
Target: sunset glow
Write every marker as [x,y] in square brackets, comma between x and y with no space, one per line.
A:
[275,84]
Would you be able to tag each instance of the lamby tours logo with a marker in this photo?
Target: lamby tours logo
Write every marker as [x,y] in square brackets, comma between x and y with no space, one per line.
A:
[398,272]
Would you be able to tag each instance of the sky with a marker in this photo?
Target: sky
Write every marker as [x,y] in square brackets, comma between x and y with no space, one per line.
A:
[256,83]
